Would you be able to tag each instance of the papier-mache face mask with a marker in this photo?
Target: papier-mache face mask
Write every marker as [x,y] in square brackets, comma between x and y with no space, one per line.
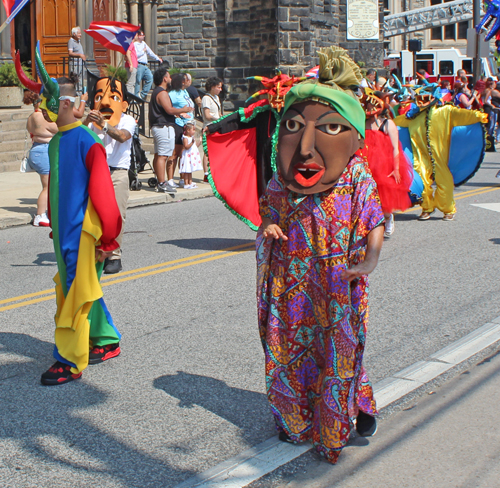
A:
[322,125]
[110,100]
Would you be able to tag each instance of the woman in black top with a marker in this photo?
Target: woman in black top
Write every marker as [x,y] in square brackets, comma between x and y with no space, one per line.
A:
[162,122]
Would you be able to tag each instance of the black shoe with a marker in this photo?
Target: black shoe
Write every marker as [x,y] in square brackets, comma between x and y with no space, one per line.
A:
[58,374]
[99,354]
[283,437]
[112,266]
[366,425]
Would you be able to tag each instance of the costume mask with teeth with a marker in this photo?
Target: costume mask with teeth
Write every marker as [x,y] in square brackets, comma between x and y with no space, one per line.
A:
[322,125]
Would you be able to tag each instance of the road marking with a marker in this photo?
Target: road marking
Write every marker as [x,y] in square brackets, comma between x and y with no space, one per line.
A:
[264,458]
[115,279]
[488,206]
[460,195]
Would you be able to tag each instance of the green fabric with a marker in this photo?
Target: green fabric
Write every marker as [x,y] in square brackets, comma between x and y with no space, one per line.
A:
[54,206]
[344,104]
[102,333]
[50,90]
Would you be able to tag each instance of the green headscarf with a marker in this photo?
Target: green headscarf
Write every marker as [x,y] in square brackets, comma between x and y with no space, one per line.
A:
[339,75]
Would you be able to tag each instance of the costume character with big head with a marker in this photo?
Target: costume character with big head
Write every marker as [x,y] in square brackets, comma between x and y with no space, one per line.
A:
[108,101]
[85,221]
[320,235]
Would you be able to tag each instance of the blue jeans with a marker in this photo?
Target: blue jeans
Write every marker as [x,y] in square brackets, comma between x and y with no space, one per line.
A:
[143,73]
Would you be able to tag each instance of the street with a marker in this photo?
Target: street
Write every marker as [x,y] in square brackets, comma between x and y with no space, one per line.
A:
[188,392]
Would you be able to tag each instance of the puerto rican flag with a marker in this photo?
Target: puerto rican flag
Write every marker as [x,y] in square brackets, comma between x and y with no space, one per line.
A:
[12,7]
[116,36]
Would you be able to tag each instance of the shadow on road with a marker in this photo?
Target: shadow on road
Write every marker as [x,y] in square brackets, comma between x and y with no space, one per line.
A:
[43,259]
[46,435]
[208,243]
[495,240]
[245,409]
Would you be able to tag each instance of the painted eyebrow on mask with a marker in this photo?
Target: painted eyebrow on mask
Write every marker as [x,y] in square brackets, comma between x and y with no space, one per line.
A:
[328,113]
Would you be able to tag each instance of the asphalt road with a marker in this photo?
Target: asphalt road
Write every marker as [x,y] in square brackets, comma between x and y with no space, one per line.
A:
[187,391]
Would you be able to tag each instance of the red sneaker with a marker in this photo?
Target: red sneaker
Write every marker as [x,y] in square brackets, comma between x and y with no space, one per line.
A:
[58,374]
[99,354]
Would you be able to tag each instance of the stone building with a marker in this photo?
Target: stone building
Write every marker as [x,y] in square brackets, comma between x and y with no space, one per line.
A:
[231,39]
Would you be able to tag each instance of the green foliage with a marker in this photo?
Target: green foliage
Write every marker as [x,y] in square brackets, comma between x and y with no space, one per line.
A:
[119,73]
[8,75]
[173,71]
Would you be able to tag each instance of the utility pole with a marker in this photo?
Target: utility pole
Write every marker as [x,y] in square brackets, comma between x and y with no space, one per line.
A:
[476,15]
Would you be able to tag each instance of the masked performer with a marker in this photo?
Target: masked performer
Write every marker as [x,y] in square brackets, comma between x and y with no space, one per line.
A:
[85,222]
[446,145]
[390,168]
[321,231]
[108,101]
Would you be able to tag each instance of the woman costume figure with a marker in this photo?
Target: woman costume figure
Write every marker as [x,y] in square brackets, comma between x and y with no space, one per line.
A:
[321,231]
[41,133]
[391,170]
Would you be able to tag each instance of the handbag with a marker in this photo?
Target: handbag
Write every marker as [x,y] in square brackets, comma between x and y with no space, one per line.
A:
[25,165]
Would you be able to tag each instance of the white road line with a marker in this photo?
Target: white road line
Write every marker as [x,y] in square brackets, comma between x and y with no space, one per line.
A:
[488,206]
[260,460]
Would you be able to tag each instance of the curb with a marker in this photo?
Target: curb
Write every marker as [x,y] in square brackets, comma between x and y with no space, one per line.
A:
[148,198]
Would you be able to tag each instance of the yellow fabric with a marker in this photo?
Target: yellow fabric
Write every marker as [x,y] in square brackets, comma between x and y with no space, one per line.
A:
[72,325]
[64,128]
[441,122]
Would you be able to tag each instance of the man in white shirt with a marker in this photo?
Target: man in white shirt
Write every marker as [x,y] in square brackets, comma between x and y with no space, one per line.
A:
[143,71]
[108,101]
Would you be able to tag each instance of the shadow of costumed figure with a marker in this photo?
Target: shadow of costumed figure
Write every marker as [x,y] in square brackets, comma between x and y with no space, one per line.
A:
[320,231]
[85,222]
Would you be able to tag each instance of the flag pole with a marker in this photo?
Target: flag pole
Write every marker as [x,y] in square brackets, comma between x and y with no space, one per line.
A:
[12,15]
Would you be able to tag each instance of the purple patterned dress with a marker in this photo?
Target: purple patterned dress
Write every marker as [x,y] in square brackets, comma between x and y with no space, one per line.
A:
[313,324]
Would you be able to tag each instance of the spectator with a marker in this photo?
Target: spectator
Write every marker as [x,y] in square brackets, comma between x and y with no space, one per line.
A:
[143,72]
[193,92]
[190,160]
[166,132]
[131,64]
[370,79]
[211,111]
[460,98]
[180,98]
[76,55]
[41,133]
[115,129]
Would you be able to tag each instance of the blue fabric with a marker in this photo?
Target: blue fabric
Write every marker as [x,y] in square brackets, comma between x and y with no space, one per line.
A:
[181,98]
[417,185]
[38,158]
[143,73]
[58,357]
[465,159]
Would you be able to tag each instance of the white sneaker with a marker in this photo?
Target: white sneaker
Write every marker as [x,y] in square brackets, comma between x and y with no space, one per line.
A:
[181,184]
[41,221]
[173,184]
[389,226]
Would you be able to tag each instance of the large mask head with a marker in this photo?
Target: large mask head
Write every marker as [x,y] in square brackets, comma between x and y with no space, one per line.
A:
[428,94]
[322,126]
[109,96]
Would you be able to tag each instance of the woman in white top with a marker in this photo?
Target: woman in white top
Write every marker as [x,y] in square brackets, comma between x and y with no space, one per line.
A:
[211,110]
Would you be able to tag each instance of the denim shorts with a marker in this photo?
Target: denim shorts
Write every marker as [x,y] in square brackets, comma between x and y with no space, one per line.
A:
[38,158]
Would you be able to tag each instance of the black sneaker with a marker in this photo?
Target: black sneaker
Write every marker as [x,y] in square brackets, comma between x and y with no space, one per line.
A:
[283,437]
[112,266]
[366,425]
[58,374]
[99,354]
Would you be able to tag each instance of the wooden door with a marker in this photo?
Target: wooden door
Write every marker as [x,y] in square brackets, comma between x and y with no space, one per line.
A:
[54,21]
[101,11]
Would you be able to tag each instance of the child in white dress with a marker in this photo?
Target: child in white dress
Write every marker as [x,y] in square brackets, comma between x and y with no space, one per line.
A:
[190,159]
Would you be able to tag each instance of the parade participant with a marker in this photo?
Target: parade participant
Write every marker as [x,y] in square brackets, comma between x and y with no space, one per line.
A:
[85,221]
[320,235]
[115,129]
[391,170]
[447,145]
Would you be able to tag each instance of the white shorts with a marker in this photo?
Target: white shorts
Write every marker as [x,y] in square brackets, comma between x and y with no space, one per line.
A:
[164,140]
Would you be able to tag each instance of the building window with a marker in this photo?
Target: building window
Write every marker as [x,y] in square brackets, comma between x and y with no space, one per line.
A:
[450,32]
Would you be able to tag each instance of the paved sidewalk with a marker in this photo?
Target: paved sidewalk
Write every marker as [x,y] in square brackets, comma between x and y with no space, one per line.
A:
[448,438]
[19,193]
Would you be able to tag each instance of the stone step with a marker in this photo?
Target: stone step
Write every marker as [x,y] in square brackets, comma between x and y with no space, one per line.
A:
[11,156]
[9,167]
[14,135]
[13,125]
[13,146]
[15,114]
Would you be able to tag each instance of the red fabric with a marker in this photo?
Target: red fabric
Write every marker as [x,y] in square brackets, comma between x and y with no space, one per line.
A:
[378,152]
[249,110]
[102,195]
[233,168]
